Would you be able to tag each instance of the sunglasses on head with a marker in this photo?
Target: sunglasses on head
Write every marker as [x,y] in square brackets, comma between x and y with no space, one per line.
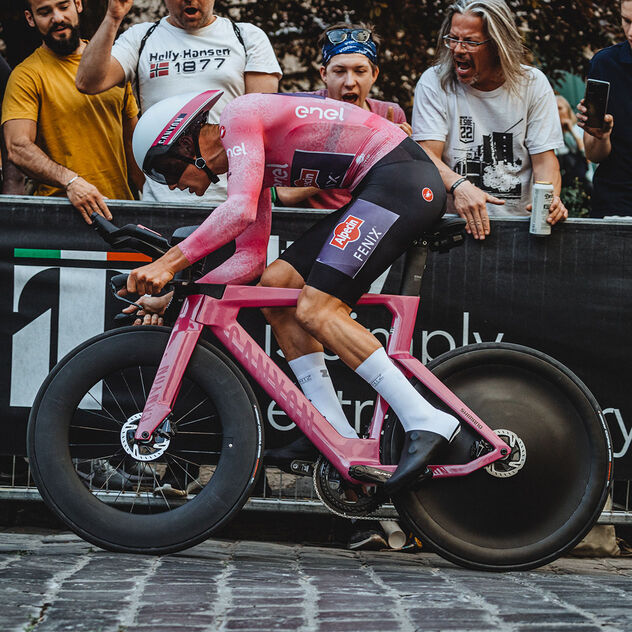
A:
[337,36]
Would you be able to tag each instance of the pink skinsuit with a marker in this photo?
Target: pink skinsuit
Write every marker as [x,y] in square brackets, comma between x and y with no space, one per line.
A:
[283,140]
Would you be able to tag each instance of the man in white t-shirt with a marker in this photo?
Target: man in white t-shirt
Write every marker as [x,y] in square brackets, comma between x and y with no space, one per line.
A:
[489,122]
[189,50]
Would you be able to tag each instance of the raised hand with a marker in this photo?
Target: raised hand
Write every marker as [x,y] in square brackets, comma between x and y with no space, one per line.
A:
[118,9]
[600,133]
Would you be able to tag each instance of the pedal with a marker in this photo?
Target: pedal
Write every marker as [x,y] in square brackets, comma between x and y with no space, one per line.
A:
[302,468]
[368,474]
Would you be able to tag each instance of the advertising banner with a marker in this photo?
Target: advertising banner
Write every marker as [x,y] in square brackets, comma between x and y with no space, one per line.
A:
[568,295]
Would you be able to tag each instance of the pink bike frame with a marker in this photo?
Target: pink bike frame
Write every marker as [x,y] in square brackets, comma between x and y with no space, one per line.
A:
[199,311]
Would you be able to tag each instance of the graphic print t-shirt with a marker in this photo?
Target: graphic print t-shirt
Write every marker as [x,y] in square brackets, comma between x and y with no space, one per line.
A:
[489,136]
[175,62]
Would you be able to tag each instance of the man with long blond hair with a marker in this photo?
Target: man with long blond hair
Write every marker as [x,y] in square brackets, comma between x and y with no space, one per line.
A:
[488,121]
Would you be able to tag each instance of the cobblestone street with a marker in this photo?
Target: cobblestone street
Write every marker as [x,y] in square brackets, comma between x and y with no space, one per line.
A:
[52,582]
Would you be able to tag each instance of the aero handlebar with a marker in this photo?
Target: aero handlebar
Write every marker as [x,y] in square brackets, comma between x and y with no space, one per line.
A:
[131,236]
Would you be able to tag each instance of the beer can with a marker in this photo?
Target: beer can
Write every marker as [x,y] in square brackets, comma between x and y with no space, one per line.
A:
[541,205]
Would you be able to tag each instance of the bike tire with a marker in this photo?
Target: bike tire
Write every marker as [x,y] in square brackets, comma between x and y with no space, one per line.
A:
[484,522]
[219,438]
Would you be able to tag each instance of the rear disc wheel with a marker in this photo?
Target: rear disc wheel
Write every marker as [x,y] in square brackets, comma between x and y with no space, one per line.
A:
[536,504]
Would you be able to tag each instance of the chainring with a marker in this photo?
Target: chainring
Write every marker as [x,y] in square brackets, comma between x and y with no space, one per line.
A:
[341,497]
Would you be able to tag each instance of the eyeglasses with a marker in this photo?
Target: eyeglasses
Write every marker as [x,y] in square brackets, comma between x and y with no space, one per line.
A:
[337,36]
[468,45]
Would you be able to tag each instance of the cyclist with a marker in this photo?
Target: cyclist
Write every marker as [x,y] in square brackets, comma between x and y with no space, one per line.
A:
[266,140]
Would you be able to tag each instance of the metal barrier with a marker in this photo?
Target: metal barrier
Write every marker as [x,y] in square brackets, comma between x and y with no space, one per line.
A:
[279,491]
[569,295]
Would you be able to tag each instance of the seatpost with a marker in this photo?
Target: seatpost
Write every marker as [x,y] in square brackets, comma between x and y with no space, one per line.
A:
[414,265]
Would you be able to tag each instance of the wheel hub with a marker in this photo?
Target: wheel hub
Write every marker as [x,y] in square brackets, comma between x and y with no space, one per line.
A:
[514,461]
[142,451]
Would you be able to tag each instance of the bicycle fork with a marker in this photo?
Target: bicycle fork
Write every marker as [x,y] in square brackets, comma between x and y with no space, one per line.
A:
[182,341]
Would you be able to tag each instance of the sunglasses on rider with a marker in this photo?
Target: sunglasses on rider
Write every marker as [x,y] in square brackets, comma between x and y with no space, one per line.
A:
[337,36]
[167,167]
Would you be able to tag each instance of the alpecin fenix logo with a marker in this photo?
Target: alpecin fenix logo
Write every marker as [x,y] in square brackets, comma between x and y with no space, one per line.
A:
[346,232]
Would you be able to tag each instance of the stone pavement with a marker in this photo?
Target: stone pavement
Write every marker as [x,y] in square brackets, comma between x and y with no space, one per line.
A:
[55,582]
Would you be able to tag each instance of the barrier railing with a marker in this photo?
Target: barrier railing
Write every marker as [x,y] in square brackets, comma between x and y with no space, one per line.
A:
[569,295]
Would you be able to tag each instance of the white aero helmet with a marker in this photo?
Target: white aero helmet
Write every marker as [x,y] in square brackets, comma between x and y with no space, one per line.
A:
[160,130]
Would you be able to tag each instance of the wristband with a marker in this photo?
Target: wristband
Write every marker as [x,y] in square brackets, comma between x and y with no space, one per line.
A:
[70,182]
[274,196]
[457,183]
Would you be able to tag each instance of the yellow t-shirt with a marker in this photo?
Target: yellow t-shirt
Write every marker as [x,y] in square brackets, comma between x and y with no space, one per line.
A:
[81,132]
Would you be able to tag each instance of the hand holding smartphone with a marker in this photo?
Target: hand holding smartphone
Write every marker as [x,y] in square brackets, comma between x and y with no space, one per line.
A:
[596,103]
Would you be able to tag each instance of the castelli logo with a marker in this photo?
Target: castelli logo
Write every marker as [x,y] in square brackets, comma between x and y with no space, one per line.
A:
[346,232]
[222,131]
[427,194]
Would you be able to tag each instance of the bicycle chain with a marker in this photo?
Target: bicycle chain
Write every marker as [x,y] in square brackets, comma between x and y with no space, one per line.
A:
[322,467]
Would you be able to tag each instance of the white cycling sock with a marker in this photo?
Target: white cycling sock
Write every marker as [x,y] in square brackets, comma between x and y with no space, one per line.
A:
[414,412]
[313,378]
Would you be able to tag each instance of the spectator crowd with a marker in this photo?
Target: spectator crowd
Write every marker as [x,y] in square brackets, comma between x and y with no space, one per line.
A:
[491,123]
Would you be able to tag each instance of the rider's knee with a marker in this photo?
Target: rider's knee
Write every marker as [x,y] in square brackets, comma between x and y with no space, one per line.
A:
[314,310]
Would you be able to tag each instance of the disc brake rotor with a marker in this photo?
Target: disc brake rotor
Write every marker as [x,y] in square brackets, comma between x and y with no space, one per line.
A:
[142,451]
[339,496]
[514,461]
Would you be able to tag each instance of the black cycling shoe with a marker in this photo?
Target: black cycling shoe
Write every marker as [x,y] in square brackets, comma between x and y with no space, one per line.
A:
[420,448]
[301,449]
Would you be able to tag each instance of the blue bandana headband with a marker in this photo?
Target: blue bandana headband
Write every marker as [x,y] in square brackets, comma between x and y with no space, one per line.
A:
[368,49]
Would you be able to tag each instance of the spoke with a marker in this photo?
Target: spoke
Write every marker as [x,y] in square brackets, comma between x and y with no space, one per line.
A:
[163,497]
[114,398]
[96,414]
[95,445]
[177,457]
[204,434]
[142,382]
[130,391]
[101,405]
[190,411]
[92,428]
[194,421]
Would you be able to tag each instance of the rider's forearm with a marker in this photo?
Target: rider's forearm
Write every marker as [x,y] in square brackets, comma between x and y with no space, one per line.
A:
[174,260]
[92,75]
[597,149]
[291,196]
[226,223]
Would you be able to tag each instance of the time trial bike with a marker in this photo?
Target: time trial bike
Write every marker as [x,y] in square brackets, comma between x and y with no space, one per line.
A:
[522,483]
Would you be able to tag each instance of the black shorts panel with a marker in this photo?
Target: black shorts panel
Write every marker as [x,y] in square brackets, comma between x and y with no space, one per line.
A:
[344,252]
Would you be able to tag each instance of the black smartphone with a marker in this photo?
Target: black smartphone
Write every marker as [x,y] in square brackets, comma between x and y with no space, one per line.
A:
[596,102]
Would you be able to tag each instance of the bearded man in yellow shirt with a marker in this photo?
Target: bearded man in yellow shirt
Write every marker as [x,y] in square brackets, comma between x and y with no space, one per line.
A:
[72,144]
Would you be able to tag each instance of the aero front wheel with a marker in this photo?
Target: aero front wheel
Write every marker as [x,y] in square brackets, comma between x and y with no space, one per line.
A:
[136,498]
[538,503]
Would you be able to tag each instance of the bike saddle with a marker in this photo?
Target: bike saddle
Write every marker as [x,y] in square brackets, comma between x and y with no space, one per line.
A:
[446,234]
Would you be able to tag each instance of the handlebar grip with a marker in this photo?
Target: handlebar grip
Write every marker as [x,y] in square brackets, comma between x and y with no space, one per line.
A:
[119,281]
[102,225]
